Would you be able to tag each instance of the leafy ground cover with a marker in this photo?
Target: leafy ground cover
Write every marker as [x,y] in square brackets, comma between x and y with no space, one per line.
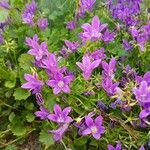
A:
[75,74]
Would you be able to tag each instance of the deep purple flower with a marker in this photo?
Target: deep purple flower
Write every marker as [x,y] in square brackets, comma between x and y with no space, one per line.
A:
[108,36]
[39,98]
[92,32]
[60,116]
[72,45]
[126,45]
[118,147]
[33,84]
[71,25]
[28,13]
[87,66]
[5,5]
[109,86]
[109,68]
[42,23]
[94,127]
[144,113]
[58,133]
[60,83]
[114,104]
[102,106]
[43,113]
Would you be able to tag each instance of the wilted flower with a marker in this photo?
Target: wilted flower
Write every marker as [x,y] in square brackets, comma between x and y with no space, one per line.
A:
[33,84]
[118,147]
[60,116]
[60,83]
[43,113]
[94,127]
[87,66]
[92,32]
[42,23]
[58,133]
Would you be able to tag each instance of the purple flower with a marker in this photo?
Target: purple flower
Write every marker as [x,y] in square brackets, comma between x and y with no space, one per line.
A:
[102,106]
[109,68]
[126,45]
[5,5]
[43,113]
[92,32]
[142,148]
[60,83]
[108,36]
[94,127]
[118,147]
[42,23]
[109,86]
[39,98]
[71,25]
[28,13]
[146,78]
[144,113]
[87,66]
[72,45]
[60,116]
[114,104]
[33,84]
[58,134]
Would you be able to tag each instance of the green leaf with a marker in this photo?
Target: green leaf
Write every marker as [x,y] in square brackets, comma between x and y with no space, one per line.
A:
[3,14]
[21,94]
[46,138]
[30,117]
[11,147]
[11,116]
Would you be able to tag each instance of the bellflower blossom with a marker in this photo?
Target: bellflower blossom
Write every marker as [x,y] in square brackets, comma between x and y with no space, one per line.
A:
[43,113]
[33,84]
[94,127]
[60,83]
[126,45]
[5,5]
[109,68]
[42,23]
[118,147]
[60,116]
[142,148]
[72,45]
[28,14]
[87,66]
[92,32]
[71,25]
[143,96]
[108,36]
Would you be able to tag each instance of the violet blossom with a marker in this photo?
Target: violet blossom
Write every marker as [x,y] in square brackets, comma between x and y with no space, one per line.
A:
[118,147]
[87,66]
[146,78]
[126,45]
[60,116]
[92,31]
[71,25]
[94,127]
[43,113]
[42,23]
[28,14]
[5,5]
[72,45]
[142,148]
[108,36]
[60,83]
[33,83]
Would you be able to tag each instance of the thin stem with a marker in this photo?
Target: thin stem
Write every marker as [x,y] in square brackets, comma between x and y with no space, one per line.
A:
[63,144]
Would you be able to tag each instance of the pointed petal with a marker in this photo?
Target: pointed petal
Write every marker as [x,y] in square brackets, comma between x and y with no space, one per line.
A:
[66,111]
[66,89]
[57,109]
[56,90]
[86,60]
[86,131]
[99,120]
[144,113]
[110,147]
[97,136]
[80,65]
[52,83]
[95,23]
[87,27]
[95,63]
[52,117]
[89,121]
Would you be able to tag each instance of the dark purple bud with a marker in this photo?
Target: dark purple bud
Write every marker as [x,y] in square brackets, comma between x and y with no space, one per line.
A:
[147,145]
[102,106]
[39,99]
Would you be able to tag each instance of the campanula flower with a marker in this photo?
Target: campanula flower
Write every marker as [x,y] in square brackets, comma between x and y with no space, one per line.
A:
[118,147]
[127,45]
[108,36]
[58,133]
[142,148]
[94,127]
[43,113]
[5,5]
[71,25]
[87,66]
[42,23]
[146,78]
[60,116]
[72,45]
[33,83]
[60,83]
[92,31]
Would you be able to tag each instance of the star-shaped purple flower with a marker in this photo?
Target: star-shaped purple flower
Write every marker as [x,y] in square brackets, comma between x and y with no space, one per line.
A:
[60,116]
[118,147]
[87,66]
[94,127]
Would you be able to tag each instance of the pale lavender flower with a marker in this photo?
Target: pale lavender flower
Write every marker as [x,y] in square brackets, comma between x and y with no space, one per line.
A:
[109,68]
[60,83]
[118,147]
[71,25]
[28,14]
[72,45]
[87,66]
[42,23]
[92,32]
[5,5]
[33,84]
[60,116]
[58,133]
[43,113]
[94,127]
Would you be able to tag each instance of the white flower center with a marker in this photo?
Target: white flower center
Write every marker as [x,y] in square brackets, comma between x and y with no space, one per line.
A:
[60,119]
[93,129]
[61,84]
